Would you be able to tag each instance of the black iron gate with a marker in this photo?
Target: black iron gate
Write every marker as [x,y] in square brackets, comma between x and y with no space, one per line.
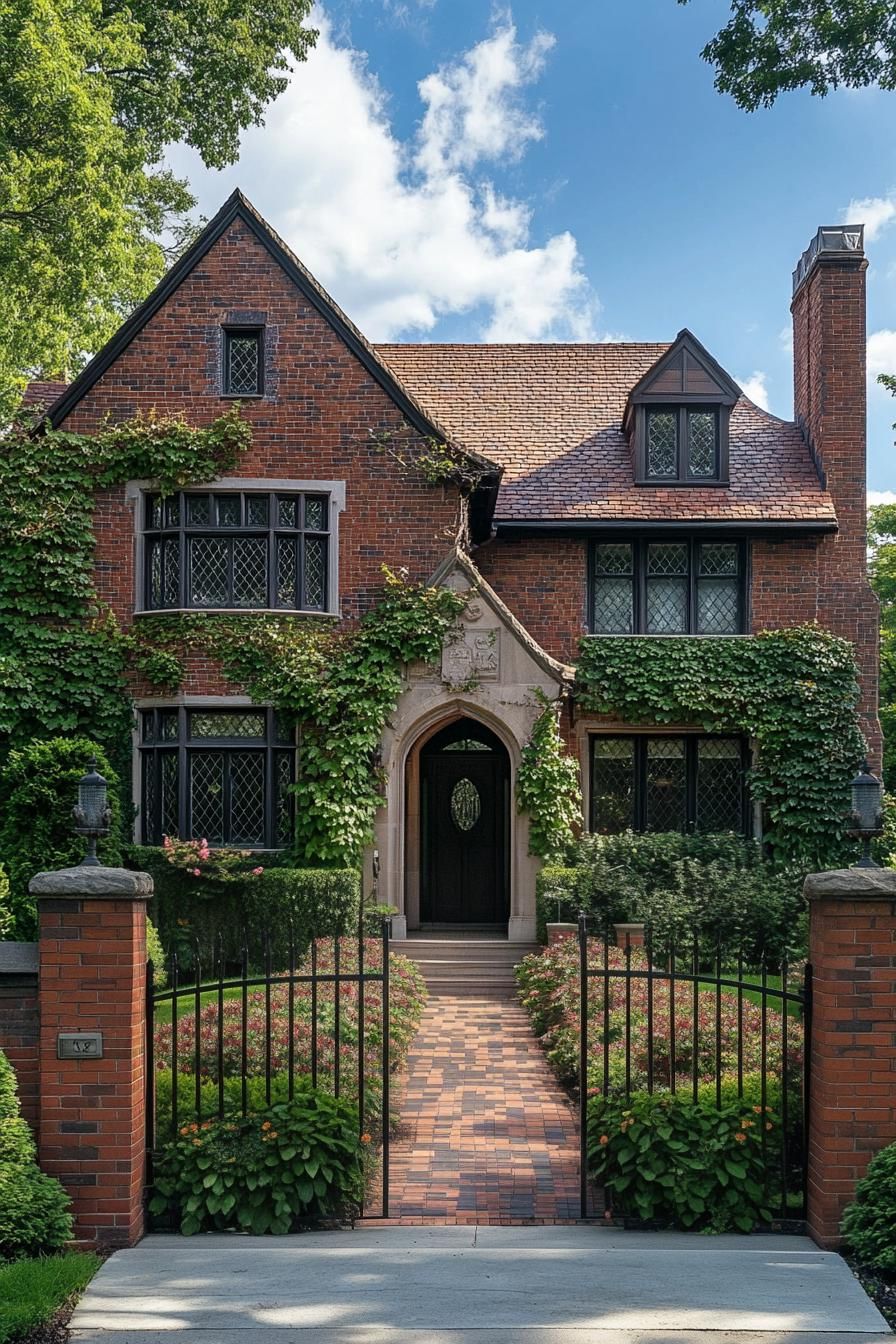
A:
[229,1036]
[680,1017]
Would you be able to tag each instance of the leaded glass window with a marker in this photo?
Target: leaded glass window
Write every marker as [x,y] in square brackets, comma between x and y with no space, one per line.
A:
[243,362]
[237,550]
[648,782]
[681,443]
[224,775]
[668,587]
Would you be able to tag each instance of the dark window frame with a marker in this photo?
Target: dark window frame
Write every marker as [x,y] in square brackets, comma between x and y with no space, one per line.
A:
[691,740]
[153,747]
[681,409]
[184,532]
[228,331]
[639,544]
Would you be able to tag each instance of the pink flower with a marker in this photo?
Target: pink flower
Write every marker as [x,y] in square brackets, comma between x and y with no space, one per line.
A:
[166,841]
[196,872]
[256,872]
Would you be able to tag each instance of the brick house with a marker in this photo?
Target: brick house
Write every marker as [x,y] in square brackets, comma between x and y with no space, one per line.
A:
[621,488]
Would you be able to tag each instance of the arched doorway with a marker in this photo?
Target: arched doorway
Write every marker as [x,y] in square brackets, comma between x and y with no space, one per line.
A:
[464,827]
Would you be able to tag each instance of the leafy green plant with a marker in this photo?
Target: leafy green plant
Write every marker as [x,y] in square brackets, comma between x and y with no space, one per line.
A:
[63,663]
[719,886]
[666,1158]
[869,1223]
[34,1216]
[33,1291]
[7,915]
[794,692]
[38,789]
[155,953]
[547,786]
[293,1163]
[339,685]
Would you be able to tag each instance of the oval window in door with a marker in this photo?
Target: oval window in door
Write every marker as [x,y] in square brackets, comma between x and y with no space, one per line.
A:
[465,805]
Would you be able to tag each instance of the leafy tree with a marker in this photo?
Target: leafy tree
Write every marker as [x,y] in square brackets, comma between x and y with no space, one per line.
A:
[770,46]
[90,94]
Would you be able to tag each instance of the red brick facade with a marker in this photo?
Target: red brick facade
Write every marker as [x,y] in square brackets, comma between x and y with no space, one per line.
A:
[19,1025]
[323,408]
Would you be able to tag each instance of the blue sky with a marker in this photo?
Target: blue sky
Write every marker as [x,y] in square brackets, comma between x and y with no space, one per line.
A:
[451,171]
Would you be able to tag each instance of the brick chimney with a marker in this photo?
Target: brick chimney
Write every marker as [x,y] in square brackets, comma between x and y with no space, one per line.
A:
[829,382]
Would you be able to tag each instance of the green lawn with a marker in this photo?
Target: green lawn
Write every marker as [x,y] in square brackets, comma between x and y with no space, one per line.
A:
[186,1004]
[32,1291]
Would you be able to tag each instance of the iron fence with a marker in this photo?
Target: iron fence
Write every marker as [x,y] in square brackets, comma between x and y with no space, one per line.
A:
[699,1020]
[232,1037]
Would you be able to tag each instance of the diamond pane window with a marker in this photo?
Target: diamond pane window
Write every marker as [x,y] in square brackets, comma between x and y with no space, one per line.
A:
[665,785]
[315,513]
[206,796]
[237,550]
[209,560]
[651,783]
[668,588]
[613,589]
[613,785]
[242,363]
[250,572]
[720,784]
[718,559]
[315,573]
[235,787]
[702,443]
[662,443]
[257,510]
[228,510]
[718,590]
[227,723]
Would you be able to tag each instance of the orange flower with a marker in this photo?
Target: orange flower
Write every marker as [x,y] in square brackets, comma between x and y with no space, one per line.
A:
[758,1110]
[266,1125]
[747,1124]
[185,1130]
[740,1137]
[769,1125]
[365,1138]
[604,1138]
[197,1143]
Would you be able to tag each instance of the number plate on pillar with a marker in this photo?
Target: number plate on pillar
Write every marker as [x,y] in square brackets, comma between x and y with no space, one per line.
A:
[79,1045]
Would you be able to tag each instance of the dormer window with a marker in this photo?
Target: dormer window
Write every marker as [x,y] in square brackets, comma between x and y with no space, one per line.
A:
[676,418]
[682,444]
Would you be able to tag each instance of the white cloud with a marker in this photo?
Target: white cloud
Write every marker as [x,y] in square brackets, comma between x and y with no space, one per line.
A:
[875,212]
[785,338]
[881,497]
[405,232]
[754,387]
[881,352]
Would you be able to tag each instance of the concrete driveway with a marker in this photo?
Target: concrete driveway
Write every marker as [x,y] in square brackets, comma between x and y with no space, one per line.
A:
[477,1285]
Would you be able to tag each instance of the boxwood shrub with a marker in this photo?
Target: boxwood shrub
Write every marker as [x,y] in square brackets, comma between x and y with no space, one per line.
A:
[869,1224]
[315,902]
[34,1216]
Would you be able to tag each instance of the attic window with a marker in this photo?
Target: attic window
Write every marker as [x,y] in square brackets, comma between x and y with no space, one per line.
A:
[243,361]
[676,418]
[682,443]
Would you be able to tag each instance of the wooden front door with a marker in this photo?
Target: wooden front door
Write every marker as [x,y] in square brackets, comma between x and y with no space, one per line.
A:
[465,781]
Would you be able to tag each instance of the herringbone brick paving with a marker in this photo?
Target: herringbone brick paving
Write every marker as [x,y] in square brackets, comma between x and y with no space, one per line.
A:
[486,1134]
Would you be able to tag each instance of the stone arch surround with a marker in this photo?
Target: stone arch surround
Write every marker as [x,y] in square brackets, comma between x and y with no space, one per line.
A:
[503,696]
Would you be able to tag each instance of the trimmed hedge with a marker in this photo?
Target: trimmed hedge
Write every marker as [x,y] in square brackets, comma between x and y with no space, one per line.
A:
[315,902]
[869,1224]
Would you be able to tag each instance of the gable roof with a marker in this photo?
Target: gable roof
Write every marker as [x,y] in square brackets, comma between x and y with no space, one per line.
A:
[685,372]
[554,415]
[237,206]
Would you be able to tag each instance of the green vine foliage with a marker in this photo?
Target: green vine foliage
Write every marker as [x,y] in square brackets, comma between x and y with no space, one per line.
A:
[794,692]
[62,659]
[547,786]
[339,686]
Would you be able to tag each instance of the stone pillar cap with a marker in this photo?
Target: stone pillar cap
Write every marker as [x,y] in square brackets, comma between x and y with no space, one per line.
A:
[852,884]
[95,884]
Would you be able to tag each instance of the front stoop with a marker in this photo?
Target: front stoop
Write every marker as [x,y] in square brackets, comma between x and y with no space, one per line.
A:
[457,967]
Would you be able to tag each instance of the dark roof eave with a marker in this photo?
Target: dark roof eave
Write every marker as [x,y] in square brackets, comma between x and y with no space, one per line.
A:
[507,526]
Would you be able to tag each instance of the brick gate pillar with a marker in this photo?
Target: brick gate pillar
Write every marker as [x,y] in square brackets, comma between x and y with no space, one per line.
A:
[852,1084]
[92,996]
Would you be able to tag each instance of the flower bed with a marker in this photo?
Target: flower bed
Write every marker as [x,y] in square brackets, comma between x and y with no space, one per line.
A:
[216,1054]
[549,991]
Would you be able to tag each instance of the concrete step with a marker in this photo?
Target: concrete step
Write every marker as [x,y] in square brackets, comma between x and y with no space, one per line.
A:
[475,967]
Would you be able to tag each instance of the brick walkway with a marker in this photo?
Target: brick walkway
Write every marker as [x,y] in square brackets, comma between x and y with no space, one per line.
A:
[486,1133]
